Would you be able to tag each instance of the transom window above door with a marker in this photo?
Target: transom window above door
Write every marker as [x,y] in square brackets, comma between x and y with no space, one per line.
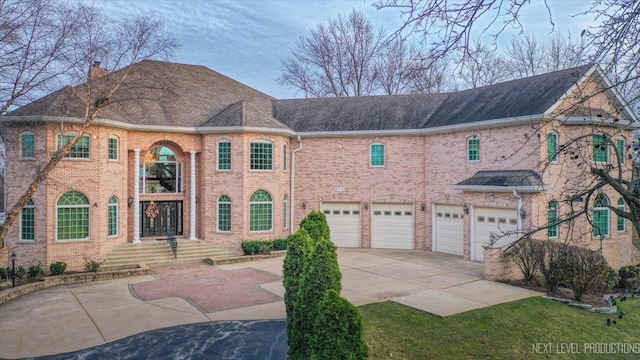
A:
[160,172]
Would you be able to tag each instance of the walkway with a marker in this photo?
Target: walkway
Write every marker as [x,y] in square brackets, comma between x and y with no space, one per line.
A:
[70,318]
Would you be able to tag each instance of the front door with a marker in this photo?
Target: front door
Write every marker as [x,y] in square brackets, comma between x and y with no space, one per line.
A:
[161,218]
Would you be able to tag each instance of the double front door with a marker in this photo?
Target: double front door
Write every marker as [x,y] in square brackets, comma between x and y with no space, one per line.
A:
[161,218]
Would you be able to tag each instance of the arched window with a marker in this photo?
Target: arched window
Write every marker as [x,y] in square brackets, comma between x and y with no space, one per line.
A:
[114,148]
[622,222]
[28,222]
[28,145]
[601,215]
[260,211]
[162,173]
[224,213]
[552,219]
[552,147]
[73,216]
[112,217]
[285,212]
[377,155]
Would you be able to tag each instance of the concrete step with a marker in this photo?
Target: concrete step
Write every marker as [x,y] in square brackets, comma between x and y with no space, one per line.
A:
[158,253]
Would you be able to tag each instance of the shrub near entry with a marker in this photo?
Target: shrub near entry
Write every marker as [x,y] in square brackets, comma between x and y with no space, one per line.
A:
[316,225]
[321,274]
[337,330]
[298,252]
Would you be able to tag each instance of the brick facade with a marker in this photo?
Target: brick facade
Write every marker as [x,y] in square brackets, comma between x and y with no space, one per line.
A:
[420,168]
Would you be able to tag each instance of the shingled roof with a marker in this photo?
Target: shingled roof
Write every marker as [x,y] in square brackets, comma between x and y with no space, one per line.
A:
[165,94]
[528,96]
[503,180]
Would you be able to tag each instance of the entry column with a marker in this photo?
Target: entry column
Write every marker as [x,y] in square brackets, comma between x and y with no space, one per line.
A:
[192,190]
[136,196]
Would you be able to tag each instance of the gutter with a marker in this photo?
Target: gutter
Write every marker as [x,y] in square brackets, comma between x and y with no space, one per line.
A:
[490,188]
[293,184]
[519,217]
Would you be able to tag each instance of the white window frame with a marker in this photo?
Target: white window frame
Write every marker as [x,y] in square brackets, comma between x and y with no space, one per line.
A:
[555,158]
[30,205]
[115,205]
[621,153]
[218,203]
[73,134]
[469,140]
[117,139]
[27,133]
[270,169]
[218,155]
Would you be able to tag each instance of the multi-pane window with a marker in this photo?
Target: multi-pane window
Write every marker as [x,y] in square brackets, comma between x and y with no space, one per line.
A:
[552,147]
[73,216]
[621,147]
[78,151]
[261,156]
[224,213]
[260,211]
[113,148]
[285,156]
[600,149]
[377,155]
[28,222]
[601,216]
[28,146]
[161,172]
[284,211]
[622,222]
[224,155]
[552,219]
[112,217]
[473,149]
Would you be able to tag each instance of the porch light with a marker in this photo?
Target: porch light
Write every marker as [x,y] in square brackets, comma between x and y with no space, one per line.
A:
[465,209]
[523,214]
[423,206]
[304,205]
[366,205]
[130,200]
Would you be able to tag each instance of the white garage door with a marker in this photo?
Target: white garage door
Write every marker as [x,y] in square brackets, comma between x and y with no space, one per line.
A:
[392,226]
[492,224]
[344,223]
[448,229]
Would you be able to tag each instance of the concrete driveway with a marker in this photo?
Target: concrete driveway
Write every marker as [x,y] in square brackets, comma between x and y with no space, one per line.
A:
[74,317]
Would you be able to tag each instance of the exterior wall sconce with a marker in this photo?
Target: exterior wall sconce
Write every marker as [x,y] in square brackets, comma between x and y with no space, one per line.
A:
[130,200]
[523,214]
[423,206]
[366,205]
[465,209]
[304,205]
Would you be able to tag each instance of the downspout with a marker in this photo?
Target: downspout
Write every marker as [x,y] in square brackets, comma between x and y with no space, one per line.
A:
[293,184]
[519,217]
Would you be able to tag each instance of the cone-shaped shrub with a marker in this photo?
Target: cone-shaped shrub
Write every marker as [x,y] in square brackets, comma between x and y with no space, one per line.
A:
[298,250]
[316,225]
[337,330]
[321,274]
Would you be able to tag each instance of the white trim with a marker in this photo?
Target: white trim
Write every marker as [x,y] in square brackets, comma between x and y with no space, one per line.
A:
[588,120]
[472,234]
[556,158]
[225,141]
[493,188]
[474,138]
[218,203]
[384,154]
[136,196]
[117,139]
[192,191]
[272,169]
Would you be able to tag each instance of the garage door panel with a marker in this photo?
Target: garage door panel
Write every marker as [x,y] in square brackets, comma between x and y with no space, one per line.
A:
[449,229]
[492,225]
[392,226]
[344,223]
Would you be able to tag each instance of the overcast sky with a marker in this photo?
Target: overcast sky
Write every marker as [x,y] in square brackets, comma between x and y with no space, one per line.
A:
[247,39]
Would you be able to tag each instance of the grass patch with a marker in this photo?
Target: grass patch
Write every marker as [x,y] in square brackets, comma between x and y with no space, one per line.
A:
[507,331]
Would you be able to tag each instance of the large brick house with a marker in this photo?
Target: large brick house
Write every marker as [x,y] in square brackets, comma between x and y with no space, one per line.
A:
[204,157]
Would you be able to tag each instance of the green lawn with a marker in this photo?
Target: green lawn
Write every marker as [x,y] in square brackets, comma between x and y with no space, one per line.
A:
[507,331]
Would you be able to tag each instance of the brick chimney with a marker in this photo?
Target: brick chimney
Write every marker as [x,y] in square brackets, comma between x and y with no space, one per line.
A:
[96,71]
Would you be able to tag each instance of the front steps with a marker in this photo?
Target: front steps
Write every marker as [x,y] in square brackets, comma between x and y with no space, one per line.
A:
[158,253]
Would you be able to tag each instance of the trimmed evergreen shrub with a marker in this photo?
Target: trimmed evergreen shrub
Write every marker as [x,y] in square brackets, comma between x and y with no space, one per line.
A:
[58,268]
[337,330]
[293,265]
[257,247]
[280,244]
[321,274]
[316,225]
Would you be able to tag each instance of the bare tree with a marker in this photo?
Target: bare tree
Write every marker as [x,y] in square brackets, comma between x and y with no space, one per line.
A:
[485,67]
[612,42]
[45,47]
